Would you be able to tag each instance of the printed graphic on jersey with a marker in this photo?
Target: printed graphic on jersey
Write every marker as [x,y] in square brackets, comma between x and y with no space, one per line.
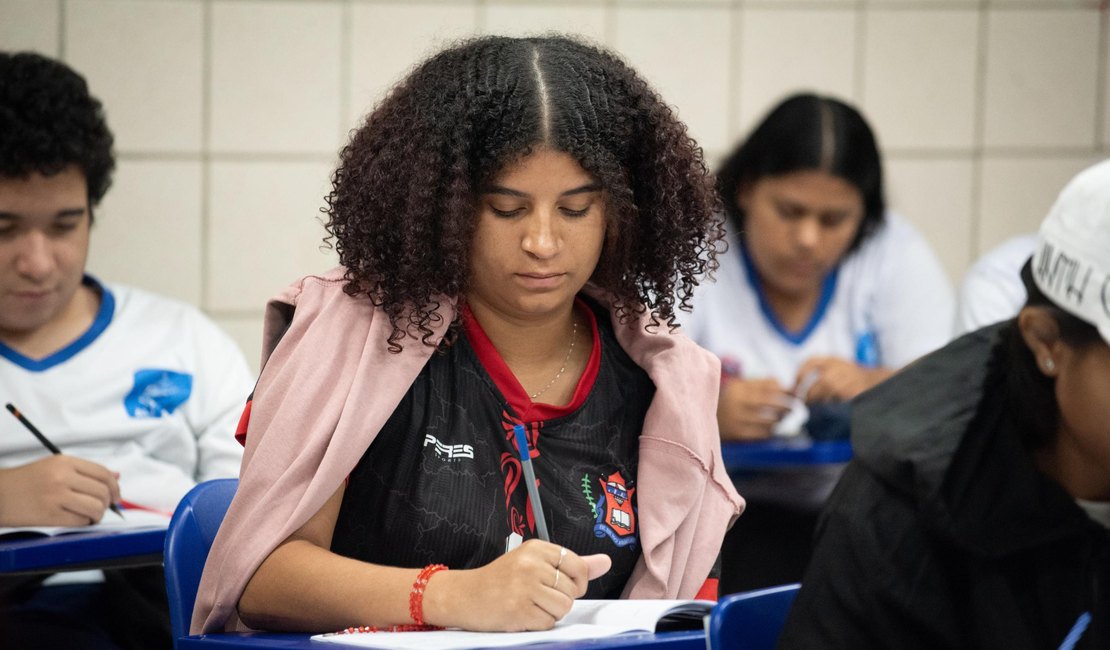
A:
[157,392]
[448,452]
[588,492]
[867,350]
[616,517]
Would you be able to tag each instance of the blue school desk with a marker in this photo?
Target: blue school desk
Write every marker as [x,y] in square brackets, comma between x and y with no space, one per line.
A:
[783,452]
[78,551]
[693,640]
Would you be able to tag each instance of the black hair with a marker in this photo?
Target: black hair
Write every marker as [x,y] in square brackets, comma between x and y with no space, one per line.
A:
[808,132]
[49,121]
[405,196]
[1031,393]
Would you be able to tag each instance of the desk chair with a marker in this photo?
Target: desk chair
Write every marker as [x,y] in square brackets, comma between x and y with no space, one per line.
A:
[188,540]
[751,620]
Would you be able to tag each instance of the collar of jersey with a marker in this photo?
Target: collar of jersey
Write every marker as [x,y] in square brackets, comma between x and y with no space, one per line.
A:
[506,381]
[828,288]
[100,323]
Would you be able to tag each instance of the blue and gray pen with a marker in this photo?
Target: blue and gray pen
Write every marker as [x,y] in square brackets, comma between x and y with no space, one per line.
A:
[530,480]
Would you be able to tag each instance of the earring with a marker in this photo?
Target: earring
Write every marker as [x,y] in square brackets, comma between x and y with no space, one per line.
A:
[1049,365]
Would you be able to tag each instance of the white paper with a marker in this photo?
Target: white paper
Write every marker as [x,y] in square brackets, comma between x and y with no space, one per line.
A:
[587,619]
[132,519]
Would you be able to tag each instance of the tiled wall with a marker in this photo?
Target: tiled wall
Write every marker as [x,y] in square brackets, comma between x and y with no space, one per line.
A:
[228,113]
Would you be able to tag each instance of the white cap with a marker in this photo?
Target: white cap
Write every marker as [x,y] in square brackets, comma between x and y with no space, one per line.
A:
[1071,265]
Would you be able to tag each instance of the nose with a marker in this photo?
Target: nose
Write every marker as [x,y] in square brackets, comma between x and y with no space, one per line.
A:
[808,233]
[34,258]
[541,236]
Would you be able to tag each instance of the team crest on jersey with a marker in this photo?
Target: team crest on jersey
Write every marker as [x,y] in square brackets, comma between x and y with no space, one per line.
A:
[157,392]
[616,516]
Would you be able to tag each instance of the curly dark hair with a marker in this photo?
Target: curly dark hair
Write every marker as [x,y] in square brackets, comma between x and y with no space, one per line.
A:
[404,202]
[805,132]
[48,121]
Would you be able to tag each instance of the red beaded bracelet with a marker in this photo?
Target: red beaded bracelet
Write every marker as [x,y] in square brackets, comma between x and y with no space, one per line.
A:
[416,596]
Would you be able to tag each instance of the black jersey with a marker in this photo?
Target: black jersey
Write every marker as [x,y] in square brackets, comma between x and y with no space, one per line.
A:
[442,482]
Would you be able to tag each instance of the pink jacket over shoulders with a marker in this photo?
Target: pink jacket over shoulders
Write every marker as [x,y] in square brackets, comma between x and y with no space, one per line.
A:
[329,383]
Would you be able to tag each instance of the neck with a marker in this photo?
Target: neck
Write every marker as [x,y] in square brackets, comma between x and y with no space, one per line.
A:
[794,310]
[1075,469]
[526,342]
[69,324]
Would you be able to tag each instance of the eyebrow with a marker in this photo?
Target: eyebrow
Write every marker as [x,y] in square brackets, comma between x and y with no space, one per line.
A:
[60,214]
[584,189]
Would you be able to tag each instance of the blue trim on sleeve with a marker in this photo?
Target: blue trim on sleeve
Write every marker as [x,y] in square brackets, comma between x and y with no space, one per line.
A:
[828,288]
[100,323]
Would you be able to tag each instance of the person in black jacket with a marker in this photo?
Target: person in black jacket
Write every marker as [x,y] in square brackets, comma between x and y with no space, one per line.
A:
[976,513]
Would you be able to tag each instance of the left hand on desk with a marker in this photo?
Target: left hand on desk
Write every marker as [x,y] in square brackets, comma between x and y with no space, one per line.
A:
[837,379]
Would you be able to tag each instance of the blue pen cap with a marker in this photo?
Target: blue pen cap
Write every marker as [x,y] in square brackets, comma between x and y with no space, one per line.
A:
[522,443]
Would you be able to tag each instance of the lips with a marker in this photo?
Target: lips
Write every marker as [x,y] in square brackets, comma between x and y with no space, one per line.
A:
[540,280]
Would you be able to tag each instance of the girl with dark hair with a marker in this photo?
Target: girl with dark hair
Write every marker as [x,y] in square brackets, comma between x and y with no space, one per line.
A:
[975,513]
[516,222]
[823,293]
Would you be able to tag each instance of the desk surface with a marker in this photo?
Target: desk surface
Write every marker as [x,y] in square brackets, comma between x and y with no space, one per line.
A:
[784,452]
[79,551]
[694,640]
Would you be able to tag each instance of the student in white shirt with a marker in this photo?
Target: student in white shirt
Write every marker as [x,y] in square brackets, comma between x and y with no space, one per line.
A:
[141,393]
[821,295]
[992,290]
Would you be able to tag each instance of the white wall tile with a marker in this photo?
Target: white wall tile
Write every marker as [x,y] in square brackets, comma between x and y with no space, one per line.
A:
[945,216]
[247,332]
[784,51]
[684,54]
[514,19]
[147,231]
[151,90]
[276,76]
[264,229]
[1017,193]
[388,39]
[1041,78]
[29,25]
[919,77]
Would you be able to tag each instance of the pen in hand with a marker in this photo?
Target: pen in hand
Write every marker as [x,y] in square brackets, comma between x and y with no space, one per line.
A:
[530,481]
[46,442]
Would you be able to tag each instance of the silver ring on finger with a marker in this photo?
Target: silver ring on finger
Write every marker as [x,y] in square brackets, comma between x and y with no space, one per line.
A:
[555,585]
[562,554]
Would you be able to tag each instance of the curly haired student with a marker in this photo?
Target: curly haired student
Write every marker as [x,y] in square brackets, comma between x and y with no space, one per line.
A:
[517,222]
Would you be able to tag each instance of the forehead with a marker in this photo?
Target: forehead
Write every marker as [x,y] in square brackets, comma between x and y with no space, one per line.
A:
[36,194]
[813,187]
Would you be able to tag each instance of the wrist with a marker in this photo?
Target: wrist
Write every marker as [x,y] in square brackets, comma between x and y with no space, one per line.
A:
[429,599]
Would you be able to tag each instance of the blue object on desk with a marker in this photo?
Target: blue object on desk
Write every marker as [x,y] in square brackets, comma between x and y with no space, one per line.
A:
[77,551]
[188,540]
[751,620]
[784,452]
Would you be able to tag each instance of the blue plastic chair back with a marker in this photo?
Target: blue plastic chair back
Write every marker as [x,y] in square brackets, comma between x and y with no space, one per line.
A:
[188,540]
[751,620]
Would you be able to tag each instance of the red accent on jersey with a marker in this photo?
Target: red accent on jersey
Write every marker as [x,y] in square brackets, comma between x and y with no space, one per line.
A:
[708,590]
[244,419]
[509,386]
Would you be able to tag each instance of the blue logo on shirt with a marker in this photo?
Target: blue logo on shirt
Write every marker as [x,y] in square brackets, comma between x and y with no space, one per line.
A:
[867,350]
[157,393]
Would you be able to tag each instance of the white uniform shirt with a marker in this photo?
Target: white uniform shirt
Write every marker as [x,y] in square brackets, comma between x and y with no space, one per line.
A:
[153,390]
[886,304]
[992,290]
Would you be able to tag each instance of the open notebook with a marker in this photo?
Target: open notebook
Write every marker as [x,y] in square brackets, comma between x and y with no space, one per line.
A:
[133,519]
[587,619]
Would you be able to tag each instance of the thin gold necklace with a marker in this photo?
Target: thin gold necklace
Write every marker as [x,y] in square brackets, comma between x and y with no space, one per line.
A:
[566,359]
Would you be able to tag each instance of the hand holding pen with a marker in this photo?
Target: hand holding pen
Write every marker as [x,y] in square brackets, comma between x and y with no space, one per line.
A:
[59,490]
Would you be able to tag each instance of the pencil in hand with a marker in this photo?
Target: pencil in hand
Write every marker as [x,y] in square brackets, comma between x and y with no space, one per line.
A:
[46,443]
